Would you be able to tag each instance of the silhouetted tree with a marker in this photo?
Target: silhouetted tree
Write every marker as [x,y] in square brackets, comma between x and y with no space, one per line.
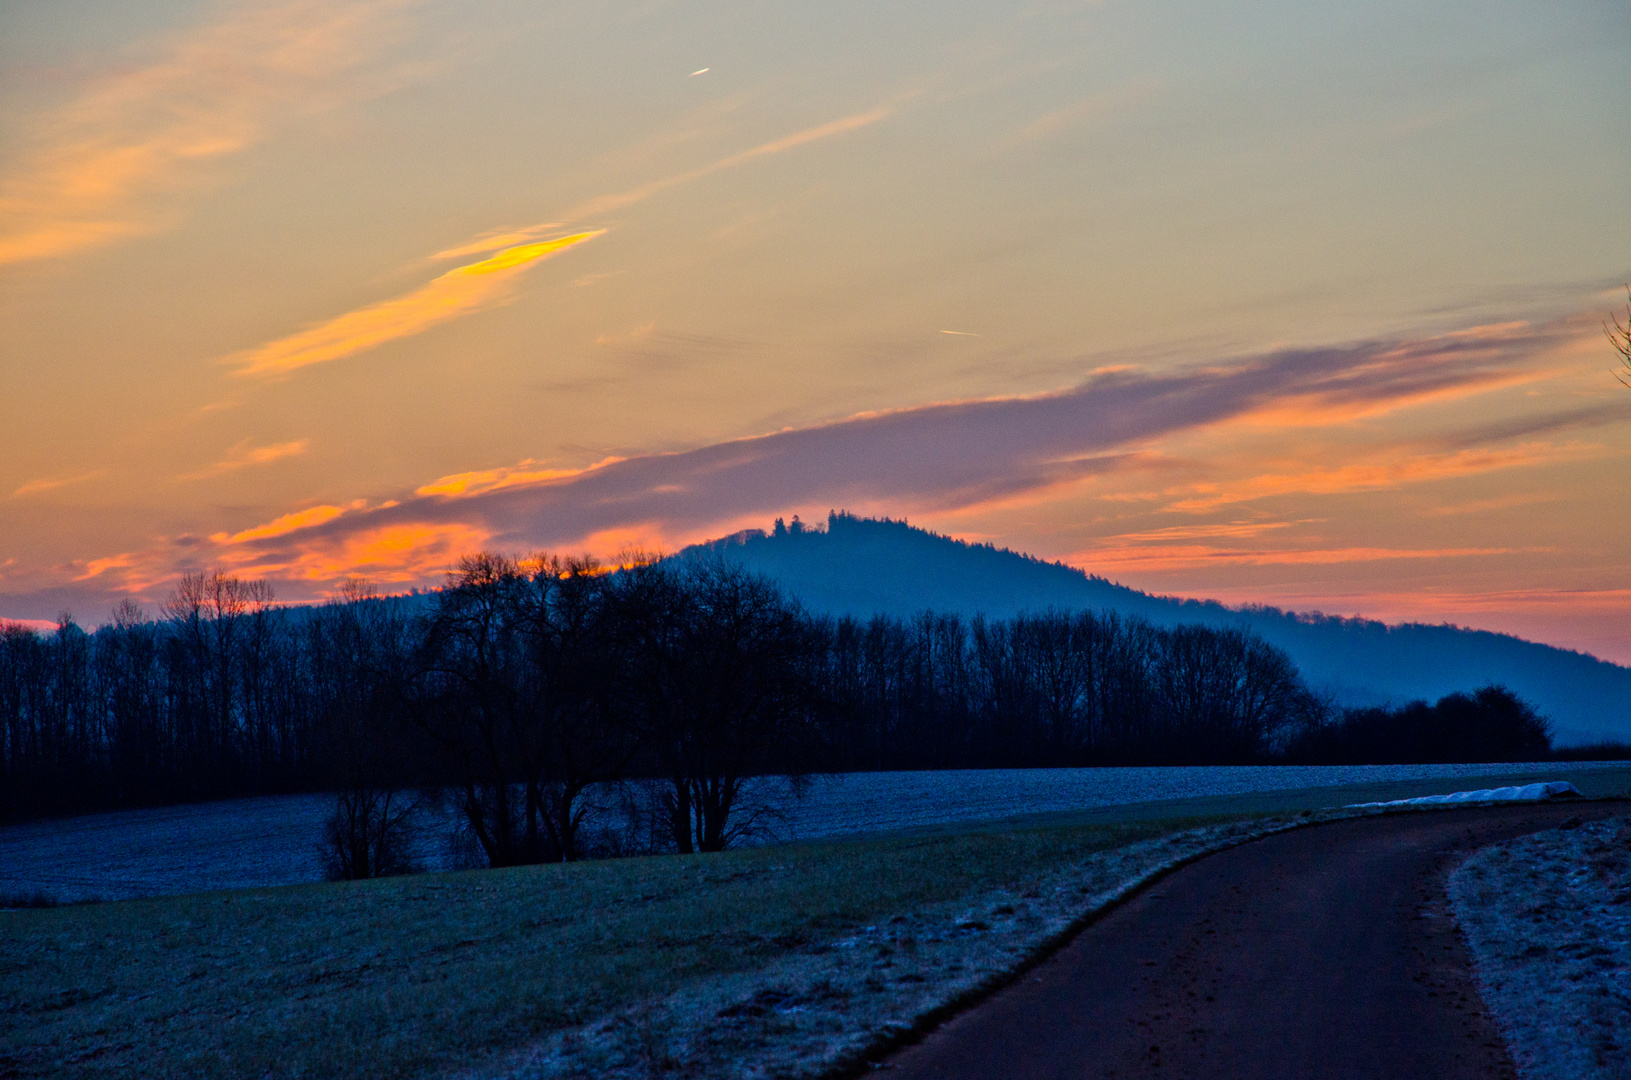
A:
[1491,724]
[516,668]
[717,664]
[357,665]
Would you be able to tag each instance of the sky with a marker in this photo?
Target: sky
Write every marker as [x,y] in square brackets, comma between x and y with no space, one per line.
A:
[1288,303]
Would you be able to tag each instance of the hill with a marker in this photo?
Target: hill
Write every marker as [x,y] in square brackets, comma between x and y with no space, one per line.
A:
[864,566]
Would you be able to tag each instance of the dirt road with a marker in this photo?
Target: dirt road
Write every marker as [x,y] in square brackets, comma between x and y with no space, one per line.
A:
[1328,952]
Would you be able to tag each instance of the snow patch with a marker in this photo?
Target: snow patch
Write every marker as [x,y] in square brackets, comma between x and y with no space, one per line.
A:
[1548,920]
[1551,789]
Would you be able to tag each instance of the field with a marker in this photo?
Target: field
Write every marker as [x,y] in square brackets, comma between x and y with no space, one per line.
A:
[245,843]
[777,959]
[404,975]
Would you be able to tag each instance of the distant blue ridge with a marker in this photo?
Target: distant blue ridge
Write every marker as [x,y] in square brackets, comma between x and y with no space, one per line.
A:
[865,566]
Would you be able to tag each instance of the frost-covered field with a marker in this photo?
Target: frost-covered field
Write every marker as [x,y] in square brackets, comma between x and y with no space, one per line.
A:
[243,843]
[1548,917]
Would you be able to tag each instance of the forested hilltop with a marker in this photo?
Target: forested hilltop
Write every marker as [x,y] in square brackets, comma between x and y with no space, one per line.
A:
[862,566]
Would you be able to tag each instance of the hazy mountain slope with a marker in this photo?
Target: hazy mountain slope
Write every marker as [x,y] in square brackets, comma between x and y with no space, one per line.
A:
[862,566]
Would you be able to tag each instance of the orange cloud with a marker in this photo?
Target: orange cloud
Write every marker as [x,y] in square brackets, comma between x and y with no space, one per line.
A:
[98,567]
[391,554]
[1564,601]
[96,167]
[1179,557]
[51,483]
[288,523]
[1318,410]
[1372,476]
[457,292]
[1504,502]
[243,456]
[1232,529]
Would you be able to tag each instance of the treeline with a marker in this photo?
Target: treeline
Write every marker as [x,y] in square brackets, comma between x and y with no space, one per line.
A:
[1492,724]
[523,686]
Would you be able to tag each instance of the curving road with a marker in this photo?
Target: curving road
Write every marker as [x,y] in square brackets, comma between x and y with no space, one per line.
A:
[1328,952]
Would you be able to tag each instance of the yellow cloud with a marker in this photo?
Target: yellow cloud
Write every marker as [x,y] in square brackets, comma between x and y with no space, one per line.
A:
[457,292]
[496,239]
[96,168]
[482,481]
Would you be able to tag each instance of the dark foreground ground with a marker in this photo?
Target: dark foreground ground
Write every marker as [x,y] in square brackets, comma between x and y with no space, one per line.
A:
[1328,952]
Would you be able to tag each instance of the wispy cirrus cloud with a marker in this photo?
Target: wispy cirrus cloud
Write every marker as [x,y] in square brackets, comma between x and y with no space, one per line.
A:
[1502,502]
[288,523]
[460,291]
[606,204]
[1061,120]
[123,561]
[244,456]
[1219,530]
[103,167]
[1189,556]
[498,239]
[51,483]
[1390,468]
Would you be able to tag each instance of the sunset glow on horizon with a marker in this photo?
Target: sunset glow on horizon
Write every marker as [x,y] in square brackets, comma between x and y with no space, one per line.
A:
[1287,304]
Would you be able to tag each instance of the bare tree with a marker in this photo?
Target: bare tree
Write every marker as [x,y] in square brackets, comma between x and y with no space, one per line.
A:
[569,672]
[355,654]
[208,612]
[1619,336]
[518,672]
[717,662]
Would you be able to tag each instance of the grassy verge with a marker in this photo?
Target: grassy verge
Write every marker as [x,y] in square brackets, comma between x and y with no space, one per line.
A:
[793,956]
